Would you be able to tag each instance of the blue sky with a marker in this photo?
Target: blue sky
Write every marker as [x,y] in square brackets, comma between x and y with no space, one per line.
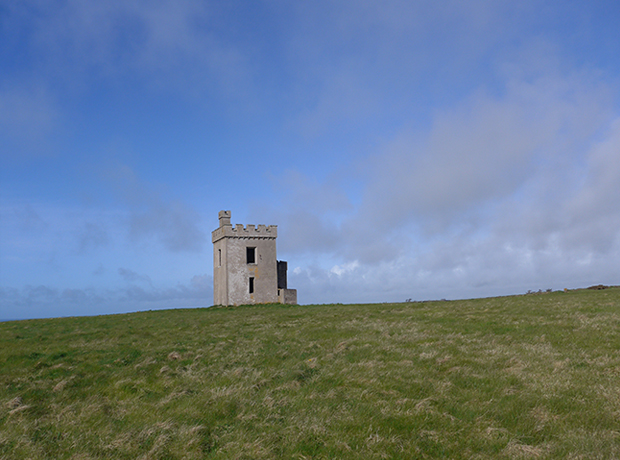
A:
[405,149]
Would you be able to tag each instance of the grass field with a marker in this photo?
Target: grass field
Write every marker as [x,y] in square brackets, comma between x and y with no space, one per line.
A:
[532,376]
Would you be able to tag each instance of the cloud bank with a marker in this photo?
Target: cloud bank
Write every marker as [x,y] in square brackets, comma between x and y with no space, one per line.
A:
[504,193]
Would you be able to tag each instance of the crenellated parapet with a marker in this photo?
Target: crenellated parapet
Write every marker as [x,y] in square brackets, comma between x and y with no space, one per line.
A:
[240,231]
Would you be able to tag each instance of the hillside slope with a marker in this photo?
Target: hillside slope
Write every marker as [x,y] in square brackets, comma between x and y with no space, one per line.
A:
[533,376]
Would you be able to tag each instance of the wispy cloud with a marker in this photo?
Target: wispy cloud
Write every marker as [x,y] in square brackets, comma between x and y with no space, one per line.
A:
[43,301]
[152,217]
[308,213]
[92,235]
[131,276]
[169,44]
[28,116]
[363,64]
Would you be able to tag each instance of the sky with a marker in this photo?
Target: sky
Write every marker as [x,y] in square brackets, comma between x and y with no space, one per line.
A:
[406,149]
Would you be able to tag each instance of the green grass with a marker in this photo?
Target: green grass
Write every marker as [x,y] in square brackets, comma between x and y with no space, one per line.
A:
[534,376]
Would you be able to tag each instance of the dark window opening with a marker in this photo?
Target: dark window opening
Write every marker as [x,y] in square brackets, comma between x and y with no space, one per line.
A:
[251,285]
[251,255]
[219,251]
[282,267]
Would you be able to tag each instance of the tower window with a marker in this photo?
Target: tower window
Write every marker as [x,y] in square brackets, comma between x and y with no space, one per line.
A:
[219,252]
[251,255]
[251,285]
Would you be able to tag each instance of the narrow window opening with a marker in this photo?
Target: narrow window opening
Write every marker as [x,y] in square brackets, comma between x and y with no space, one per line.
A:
[251,255]
[219,252]
[251,285]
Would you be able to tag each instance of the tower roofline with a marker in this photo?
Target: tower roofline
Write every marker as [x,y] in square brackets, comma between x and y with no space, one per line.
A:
[240,231]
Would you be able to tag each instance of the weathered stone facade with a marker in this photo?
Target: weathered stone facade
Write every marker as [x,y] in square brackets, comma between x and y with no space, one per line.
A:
[245,267]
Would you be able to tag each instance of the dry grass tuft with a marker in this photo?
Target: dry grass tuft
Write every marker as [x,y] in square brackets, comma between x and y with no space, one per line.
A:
[516,450]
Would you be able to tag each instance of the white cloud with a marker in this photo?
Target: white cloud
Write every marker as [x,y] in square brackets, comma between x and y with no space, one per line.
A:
[340,270]
[599,194]
[485,150]
[585,216]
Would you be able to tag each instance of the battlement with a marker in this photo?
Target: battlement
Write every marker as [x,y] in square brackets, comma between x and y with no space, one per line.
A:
[226,230]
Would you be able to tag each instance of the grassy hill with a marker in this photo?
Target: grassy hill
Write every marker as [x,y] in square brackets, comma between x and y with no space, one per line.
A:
[532,376]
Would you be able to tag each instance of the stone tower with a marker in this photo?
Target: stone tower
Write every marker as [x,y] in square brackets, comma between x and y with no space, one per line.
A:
[245,268]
